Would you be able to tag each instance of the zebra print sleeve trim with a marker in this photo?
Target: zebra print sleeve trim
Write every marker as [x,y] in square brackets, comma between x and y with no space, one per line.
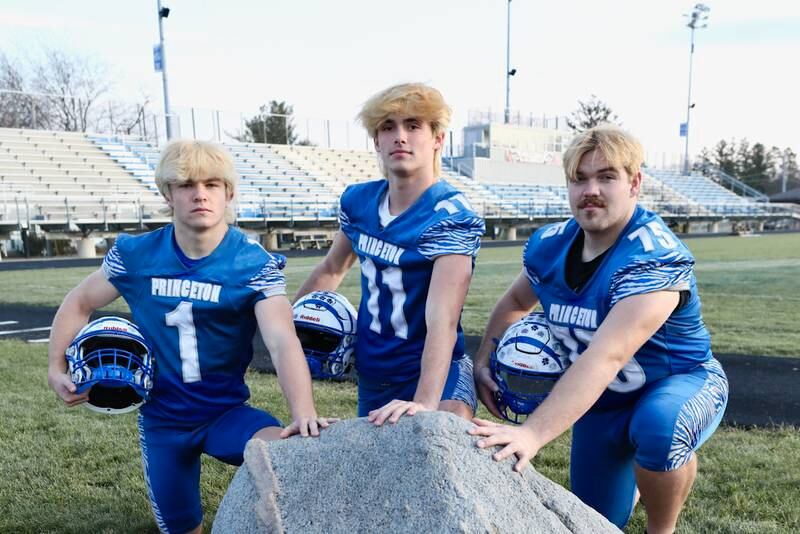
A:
[671,272]
[533,278]
[344,220]
[112,264]
[270,281]
[449,236]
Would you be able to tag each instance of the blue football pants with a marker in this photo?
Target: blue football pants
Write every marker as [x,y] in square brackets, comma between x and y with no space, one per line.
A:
[460,385]
[171,460]
[672,418]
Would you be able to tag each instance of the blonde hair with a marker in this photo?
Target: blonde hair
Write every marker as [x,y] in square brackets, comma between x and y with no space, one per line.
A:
[414,100]
[620,148]
[185,160]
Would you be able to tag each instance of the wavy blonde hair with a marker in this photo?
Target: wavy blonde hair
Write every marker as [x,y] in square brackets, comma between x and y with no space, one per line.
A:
[411,99]
[621,149]
[184,160]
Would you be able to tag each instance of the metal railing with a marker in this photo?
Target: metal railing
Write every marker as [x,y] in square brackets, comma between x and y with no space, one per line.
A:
[517,118]
[732,183]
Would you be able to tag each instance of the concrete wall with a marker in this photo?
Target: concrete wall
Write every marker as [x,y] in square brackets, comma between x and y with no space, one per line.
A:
[493,171]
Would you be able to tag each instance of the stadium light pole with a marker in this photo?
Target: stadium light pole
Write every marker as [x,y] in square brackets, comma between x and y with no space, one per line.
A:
[163,12]
[509,71]
[697,20]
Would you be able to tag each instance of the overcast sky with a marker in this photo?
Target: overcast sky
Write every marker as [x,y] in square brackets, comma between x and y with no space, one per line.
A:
[327,57]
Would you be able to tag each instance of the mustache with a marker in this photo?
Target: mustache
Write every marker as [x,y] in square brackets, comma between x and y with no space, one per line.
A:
[592,201]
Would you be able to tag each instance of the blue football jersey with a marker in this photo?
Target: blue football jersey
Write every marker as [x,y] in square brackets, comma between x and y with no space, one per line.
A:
[199,320]
[396,268]
[646,257]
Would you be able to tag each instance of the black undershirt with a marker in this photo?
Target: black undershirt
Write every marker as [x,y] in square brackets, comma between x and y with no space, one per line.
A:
[578,272]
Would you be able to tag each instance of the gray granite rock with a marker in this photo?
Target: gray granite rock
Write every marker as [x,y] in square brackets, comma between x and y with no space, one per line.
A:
[423,474]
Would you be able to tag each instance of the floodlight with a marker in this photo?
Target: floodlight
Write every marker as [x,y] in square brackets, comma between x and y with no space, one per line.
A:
[697,20]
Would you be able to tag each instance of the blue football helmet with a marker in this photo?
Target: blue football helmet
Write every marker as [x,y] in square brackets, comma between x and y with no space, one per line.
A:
[525,364]
[325,322]
[110,356]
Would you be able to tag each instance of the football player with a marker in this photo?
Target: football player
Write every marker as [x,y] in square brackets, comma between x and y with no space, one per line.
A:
[197,289]
[618,289]
[416,238]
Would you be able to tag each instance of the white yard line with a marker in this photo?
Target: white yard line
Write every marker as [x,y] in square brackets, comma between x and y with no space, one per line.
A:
[4,323]
[43,340]
[39,329]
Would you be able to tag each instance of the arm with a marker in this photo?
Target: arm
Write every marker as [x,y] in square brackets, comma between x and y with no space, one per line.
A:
[274,316]
[448,289]
[631,322]
[518,300]
[93,293]
[333,268]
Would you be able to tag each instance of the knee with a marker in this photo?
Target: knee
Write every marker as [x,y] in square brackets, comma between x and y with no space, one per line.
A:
[661,443]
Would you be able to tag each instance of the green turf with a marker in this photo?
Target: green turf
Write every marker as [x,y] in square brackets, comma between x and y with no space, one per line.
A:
[69,470]
[74,471]
[747,285]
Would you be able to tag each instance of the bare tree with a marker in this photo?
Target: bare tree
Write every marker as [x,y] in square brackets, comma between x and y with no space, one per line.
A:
[123,117]
[17,109]
[76,85]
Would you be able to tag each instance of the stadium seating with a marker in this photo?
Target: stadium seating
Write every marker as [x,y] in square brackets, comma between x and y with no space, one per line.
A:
[272,186]
[66,177]
[710,195]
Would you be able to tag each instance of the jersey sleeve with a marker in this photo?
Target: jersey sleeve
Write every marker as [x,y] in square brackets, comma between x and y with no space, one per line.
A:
[460,236]
[269,280]
[344,220]
[344,210]
[527,264]
[669,272]
[113,266]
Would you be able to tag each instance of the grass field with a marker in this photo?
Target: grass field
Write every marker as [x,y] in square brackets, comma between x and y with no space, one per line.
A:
[68,470]
[747,285]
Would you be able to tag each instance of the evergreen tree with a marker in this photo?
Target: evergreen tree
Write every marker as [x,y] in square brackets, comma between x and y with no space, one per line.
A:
[742,157]
[723,156]
[273,124]
[754,165]
[703,160]
[755,171]
[589,114]
[788,167]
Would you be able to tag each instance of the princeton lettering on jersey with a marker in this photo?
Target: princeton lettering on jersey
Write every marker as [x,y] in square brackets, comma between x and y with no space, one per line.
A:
[573,316]
[372,246]
[186,289]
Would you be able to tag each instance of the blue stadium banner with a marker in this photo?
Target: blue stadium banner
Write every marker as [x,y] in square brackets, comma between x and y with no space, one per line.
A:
[158,62]
[684,129]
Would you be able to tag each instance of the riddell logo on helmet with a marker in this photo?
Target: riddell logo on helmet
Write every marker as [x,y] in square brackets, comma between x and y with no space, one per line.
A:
[309,318]
[117,328]
[522,364]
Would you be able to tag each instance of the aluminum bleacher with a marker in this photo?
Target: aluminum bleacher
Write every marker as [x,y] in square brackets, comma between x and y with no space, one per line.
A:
[73,178]
[710,195]
[65,178]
